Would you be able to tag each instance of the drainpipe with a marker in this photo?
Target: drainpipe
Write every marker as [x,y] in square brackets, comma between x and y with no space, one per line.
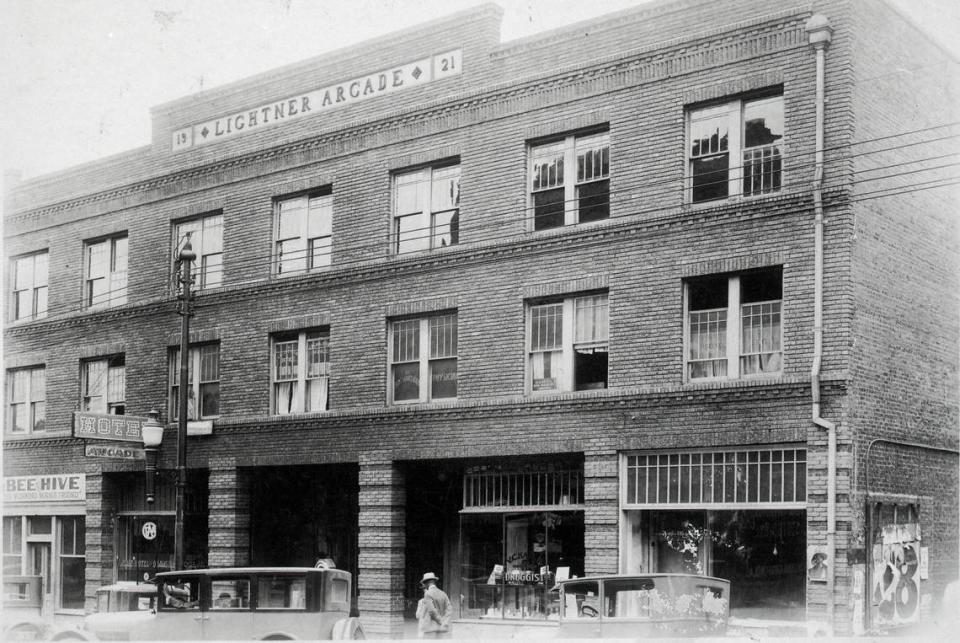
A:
[819,33]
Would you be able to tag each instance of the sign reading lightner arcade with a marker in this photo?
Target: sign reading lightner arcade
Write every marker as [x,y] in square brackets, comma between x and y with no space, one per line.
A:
[412,74]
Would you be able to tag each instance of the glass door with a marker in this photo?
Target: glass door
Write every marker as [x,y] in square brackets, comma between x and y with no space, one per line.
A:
[38,557]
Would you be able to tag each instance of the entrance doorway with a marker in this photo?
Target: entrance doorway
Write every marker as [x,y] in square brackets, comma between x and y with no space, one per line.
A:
[38,556]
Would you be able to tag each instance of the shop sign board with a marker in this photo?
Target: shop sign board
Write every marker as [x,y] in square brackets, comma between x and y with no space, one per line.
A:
[895,594]
[114,452]
[56,487]
[379,83]
[100,426]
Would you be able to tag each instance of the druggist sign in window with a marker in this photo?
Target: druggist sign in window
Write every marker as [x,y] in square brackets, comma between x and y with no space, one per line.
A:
[118,437]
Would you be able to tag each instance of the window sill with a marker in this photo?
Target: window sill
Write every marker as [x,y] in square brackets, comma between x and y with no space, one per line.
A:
[731,200]
[49,435]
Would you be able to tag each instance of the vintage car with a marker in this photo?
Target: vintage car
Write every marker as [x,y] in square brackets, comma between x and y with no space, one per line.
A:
[652,605]
[261,603]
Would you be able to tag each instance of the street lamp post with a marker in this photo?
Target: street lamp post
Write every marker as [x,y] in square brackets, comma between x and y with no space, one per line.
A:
[152,432]
[187,255]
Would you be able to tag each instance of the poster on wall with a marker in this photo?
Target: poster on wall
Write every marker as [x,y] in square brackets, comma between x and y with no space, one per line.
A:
[895,590]
[817,564]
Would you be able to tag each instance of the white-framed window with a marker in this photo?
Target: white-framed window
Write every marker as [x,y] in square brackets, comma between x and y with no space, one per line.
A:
[561,196]
[72,562]
[301,372]
[735,149]
[29,286]
[303,229]
[105,269]
[733,325]
[203,396]
[26,400]
[423,359]
[103,382]
[568,344]
[206,240]
[426,209]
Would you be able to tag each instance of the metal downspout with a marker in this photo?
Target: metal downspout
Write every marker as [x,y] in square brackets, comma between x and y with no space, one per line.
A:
[819,33]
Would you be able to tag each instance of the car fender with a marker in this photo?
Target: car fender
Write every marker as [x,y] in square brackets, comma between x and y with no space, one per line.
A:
[278,636]
[347,629]
[26,631]
[73,635]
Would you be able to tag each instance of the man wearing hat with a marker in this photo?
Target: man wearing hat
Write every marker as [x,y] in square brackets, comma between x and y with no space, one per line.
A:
[434,610]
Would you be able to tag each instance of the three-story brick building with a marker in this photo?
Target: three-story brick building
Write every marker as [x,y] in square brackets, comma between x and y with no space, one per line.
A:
[670,290]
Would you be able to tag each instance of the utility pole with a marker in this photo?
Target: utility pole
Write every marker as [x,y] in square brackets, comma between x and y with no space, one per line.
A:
[187,255]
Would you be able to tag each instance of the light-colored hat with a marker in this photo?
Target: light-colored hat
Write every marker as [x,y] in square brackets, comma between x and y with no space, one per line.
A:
[428,576]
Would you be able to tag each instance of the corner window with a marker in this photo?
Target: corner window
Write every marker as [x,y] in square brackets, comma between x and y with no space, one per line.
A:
[206,240]
[29,286]
[734,326]
[568,344]
[103,382]
[301,372]
[561,196]
[426,209]
[26,395]
[303,229]
[423,359]
[735,149]
[106,273]
[203,394]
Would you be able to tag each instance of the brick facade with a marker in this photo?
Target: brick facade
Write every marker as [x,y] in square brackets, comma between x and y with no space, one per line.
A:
[890,338]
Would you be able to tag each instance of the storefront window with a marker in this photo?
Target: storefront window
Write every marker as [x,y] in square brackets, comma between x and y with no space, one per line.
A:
[12,545]
[72,562]
[761,553]
[510,562]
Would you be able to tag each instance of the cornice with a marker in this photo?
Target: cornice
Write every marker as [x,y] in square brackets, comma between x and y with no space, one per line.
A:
[626,399]
[618,71]
[523,244]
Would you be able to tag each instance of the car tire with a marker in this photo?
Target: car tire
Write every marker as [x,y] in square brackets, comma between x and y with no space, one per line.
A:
[347,629]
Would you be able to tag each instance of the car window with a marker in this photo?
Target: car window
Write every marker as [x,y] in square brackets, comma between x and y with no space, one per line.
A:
[581,600]
[629,597]
[281,592]
[230,593]
[181,593]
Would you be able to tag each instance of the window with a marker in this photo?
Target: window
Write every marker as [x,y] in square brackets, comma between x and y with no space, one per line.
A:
[228,593]
[281,592]
[426,209]
[304,232]
[12,545]
[301,371]
[734,325]
[103,382]
[72,562]
[411,364]
[106,273]
[749,132]
[26,392]
[204,382]
[556,197]
[568,344]
[206,240]
[30,286]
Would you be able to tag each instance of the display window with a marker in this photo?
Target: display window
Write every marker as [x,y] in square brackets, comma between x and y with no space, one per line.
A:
[511,561]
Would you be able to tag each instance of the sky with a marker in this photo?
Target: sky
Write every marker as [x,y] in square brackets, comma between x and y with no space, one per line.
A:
[78,77]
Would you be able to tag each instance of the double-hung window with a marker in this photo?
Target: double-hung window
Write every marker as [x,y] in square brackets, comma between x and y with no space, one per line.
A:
[568,344]
[423,359]
[301,372]
[734,326]
[106,272]
[426,209]
[303,230]
[27,400]
[72,561]
[12,545]
[735,149]
[103,382]
[570,181]
[206,240]
[203,394]
[30,286]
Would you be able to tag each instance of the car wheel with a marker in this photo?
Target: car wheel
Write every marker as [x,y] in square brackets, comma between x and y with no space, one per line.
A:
[348,629]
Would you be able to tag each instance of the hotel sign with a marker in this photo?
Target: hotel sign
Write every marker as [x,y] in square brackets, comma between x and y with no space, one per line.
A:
[45,488]
[100,426]
[379,83]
